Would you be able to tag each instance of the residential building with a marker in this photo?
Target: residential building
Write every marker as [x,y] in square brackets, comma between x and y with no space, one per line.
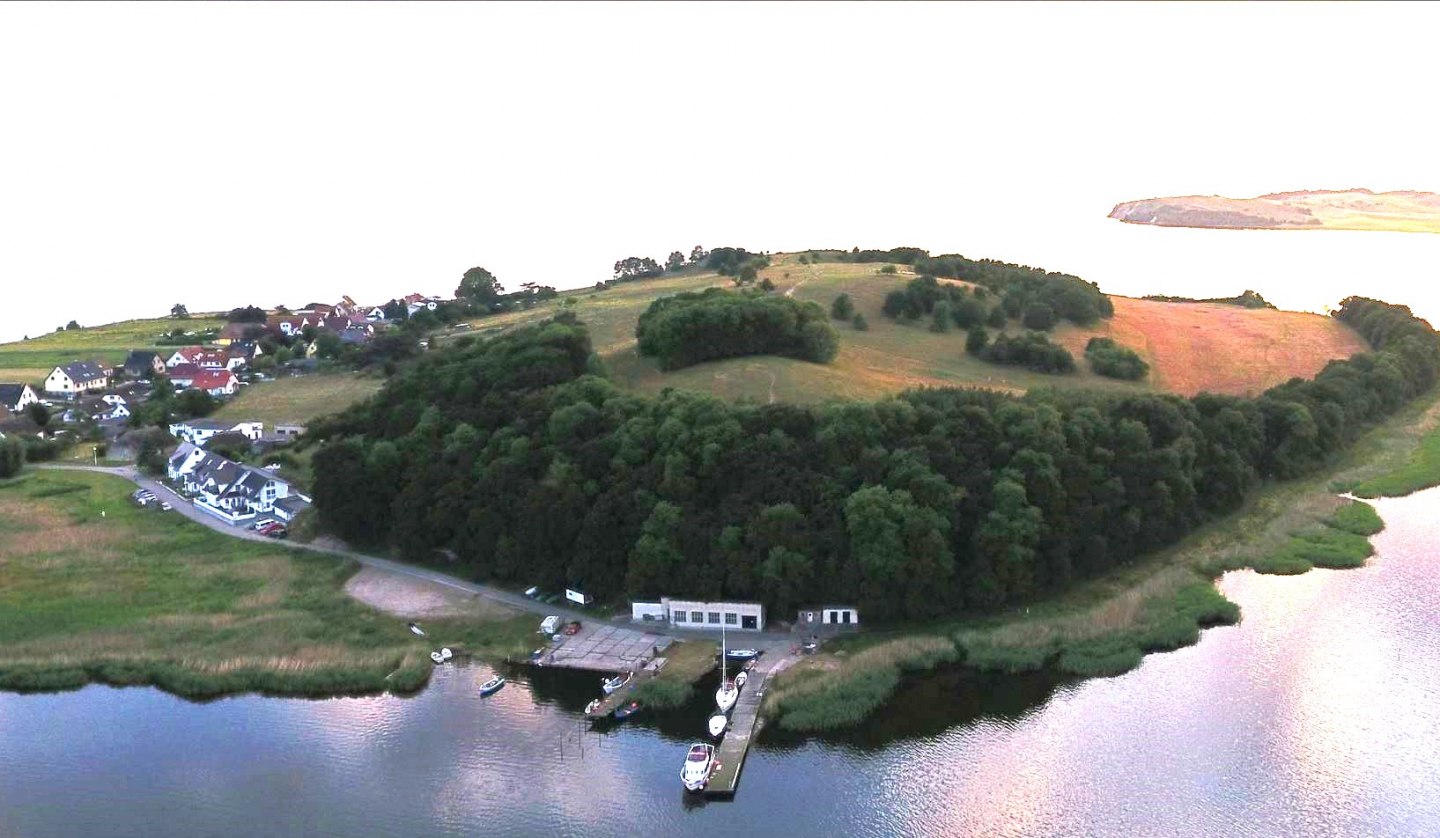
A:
[287,508]
[143,364]
[231,491]
[375,313]
[221,382]
[183,375]
[17,397]
[197,432]
[77,377]
[185,355]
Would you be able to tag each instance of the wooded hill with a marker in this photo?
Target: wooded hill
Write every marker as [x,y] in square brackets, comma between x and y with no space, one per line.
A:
[514,456]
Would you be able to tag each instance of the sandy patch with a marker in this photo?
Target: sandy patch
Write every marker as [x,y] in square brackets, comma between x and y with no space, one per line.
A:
[410,596]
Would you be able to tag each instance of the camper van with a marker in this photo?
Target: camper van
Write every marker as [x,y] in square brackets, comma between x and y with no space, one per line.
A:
[550,624]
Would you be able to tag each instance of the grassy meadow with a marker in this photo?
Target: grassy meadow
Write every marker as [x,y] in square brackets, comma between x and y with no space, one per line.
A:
[31,360]
[299,399]
[686,661]
[1105,626]
[1190,347]
[94,588]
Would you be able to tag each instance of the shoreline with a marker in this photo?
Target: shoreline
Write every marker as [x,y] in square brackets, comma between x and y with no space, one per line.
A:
[1105,626]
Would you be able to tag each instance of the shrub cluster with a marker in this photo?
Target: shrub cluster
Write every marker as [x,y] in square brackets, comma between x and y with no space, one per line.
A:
[690,328]
[1031,350]
[1112,360]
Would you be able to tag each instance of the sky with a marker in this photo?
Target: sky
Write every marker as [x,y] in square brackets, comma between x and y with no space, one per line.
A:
[220,155]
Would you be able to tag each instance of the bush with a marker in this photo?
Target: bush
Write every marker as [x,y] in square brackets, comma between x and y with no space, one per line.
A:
[1112,360]
[1031,350]
[976,339]
[940,320]
[1039,317]
[690,328]
[12,457]
[996,318]
[843,308]
[860,323]
[887,269]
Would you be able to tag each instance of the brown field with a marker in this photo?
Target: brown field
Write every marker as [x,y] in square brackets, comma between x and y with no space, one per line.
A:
[298,400]
[1194,347]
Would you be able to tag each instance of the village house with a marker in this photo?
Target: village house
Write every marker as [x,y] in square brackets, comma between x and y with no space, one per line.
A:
[183,375]
[231,491]
[184,355]
[221,382]
[142,364]
[375,313]
[17,397]
[236,332]
[77,377]
[199,431]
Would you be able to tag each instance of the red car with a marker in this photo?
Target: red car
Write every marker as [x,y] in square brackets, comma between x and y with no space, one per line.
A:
[273,530]
[572,627]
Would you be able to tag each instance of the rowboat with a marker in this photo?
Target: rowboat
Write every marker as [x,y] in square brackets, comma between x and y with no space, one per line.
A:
[492,686]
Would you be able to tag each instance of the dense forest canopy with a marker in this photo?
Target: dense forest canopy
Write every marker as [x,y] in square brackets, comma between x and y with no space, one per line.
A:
[686,329]
[514,457]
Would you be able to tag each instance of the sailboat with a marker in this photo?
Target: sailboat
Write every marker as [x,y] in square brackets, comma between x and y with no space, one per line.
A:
[728,692]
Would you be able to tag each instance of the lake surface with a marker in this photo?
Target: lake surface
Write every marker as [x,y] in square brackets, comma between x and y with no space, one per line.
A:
[1317,715]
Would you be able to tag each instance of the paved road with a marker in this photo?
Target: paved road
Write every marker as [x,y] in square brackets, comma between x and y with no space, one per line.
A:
[768,640]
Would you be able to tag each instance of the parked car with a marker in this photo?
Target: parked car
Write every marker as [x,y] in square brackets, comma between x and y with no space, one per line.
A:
[532,592]
[263,523]
[275,531]
[165,506]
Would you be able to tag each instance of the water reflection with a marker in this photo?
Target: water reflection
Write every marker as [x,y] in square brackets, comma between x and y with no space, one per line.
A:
[1315,715]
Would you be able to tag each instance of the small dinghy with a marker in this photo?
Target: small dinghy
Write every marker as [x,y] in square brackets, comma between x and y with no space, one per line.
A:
[446,654]
[593,707]
[492,686]
[741,678]
[718,723]
[610,685]
[742,654]
[627,710]
[437,657]
[417,630]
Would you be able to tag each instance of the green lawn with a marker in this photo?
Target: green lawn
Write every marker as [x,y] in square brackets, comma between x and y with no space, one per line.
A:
[94,588]
[299,399]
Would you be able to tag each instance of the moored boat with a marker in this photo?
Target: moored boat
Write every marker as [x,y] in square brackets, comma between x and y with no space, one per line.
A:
[718,723]
[437,657]
[740,678]
[699,762]
[492,686]
[415,629]
[610,685]
[446,654]
[742,654]
[625,711]
[725,696]
[593,708]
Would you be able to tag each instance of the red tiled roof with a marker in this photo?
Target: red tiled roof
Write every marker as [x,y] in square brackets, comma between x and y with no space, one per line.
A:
[213,379]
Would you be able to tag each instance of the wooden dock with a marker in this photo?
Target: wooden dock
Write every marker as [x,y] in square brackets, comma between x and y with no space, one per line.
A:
[744,728]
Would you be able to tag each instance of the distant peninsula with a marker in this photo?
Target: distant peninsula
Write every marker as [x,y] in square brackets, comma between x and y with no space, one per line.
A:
[1348,209]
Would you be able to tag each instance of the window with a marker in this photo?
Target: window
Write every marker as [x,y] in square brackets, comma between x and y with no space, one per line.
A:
[731,619]
[715,617]
[697,617]
[678,616]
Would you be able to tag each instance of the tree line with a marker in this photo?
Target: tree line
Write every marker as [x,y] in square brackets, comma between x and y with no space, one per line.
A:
[512,460]
[689,328]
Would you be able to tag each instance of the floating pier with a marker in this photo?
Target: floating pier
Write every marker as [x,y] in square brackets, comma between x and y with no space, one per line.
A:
[744,727]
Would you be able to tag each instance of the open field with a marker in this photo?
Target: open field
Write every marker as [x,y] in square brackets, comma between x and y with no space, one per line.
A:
[1190,347]
[94,588]
[31,360]
[1105,626]
[299,399]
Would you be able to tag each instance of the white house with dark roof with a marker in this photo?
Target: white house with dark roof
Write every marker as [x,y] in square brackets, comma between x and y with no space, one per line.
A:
[17,397]
[77,377]
[234,492]
[199,431]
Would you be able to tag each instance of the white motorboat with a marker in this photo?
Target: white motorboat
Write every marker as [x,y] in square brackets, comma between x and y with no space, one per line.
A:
[437,657]
[699,763]
[718,723]
[610,685]
[742,654]
[419,632]
[740,678]
[446,654]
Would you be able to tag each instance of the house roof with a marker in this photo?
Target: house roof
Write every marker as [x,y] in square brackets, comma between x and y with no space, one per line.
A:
[186,371]
[209,357]
[140,358]
[293,504]
[189,353]
[83,372]
[10,394]
[213,379]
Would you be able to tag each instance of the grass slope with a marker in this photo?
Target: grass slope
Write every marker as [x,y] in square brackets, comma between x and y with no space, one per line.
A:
[31,360]
[298,400]
[1190,347]
[140,597]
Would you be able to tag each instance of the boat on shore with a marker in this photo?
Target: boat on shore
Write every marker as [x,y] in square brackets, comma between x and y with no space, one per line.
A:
[699,763]
[446,654]
[610,685]
[437,657]
[492,686]
[416,630]
[592,710]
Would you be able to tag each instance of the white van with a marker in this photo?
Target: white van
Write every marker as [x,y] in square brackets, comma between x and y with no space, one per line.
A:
[550,625]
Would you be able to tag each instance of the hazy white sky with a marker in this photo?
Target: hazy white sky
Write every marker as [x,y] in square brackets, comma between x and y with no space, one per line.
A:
[220,155]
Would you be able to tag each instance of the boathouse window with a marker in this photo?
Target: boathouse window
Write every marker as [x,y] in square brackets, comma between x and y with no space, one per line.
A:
[679,616]
[715,618]
[697,617]
[731,618]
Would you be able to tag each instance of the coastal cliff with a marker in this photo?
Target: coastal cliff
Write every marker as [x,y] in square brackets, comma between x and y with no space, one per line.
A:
[1350,209]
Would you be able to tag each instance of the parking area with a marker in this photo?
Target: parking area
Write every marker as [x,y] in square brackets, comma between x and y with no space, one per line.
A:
[604,648]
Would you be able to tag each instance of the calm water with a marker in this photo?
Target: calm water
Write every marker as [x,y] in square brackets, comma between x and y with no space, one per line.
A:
[1317,715]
